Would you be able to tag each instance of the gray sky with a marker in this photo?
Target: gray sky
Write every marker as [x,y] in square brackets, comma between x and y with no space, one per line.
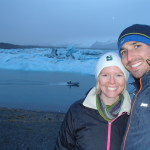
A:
[83,22]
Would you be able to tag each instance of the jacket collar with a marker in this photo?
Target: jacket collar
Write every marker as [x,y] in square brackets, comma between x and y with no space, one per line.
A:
[146,79]
[90,101]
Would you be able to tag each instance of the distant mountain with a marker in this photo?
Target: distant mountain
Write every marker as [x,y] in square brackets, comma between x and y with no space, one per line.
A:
[13,46]
[104,45]
[8,46]
[96,45]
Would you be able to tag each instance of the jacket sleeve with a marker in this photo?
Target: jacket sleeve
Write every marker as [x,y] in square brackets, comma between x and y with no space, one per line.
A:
[66,136]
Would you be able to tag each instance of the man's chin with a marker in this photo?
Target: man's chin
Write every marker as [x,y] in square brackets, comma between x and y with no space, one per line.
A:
[137,74]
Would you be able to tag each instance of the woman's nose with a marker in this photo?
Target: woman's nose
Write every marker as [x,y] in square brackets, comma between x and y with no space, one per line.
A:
[112,79]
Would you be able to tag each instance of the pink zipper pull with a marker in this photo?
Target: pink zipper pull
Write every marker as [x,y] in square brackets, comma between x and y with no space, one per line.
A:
[109,136]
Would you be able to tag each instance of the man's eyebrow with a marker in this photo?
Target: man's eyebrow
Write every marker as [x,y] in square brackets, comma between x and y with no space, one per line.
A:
[122,48]
[134,43]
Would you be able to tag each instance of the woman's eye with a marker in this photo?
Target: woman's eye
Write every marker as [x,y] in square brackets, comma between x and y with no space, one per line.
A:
[119,75]
[104,75]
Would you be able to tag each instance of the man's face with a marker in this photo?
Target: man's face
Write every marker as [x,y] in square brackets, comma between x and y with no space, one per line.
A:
[134,55]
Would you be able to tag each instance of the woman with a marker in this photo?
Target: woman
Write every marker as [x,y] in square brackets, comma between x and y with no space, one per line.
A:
[99,121]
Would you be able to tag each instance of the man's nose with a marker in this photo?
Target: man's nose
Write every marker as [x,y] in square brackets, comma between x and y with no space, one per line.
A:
[131,54]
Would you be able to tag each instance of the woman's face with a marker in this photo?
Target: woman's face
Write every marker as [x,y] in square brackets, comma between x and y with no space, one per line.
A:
[112,82]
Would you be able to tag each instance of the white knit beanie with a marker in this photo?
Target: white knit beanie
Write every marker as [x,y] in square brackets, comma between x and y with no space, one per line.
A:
[110,59]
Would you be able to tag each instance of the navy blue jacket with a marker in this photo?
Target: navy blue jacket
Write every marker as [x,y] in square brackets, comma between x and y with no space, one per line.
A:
[138,131]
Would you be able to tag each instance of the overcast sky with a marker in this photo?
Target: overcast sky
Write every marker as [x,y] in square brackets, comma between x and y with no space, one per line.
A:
[46,22]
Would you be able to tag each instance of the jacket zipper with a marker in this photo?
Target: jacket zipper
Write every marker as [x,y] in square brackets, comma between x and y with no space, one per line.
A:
[109,135]
[109,131]
[125,138]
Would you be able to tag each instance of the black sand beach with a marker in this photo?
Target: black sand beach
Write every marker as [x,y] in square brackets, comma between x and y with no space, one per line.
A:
[28,130]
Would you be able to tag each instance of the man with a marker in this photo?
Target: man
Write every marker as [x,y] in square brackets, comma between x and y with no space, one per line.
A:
[134,48]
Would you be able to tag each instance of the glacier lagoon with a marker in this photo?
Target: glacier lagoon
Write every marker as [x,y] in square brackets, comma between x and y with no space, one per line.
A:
[35,79]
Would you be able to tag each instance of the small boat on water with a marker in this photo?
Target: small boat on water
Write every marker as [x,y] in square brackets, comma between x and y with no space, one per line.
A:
[70,83]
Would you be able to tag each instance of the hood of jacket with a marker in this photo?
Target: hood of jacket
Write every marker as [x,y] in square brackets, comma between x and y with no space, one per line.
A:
[90,101]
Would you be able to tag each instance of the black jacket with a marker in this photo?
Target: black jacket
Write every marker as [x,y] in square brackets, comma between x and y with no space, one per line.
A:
[84,129]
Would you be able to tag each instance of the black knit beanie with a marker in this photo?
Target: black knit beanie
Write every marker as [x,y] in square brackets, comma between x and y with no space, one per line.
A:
[136,32]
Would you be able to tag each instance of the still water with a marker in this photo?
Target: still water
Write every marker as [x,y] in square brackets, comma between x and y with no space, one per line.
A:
[42,90]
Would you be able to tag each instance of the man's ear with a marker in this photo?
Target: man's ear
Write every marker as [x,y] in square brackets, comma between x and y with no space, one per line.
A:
[148,61]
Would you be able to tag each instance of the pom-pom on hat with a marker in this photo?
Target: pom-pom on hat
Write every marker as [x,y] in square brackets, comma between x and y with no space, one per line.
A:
[136,32]
[110,59]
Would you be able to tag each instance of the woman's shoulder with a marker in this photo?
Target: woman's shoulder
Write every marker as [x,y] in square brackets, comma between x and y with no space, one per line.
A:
[77,104]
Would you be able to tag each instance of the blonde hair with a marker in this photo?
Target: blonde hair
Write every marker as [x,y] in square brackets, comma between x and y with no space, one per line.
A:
[98,89]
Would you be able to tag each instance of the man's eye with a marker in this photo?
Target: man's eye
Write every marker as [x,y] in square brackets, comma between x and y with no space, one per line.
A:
[137,46]
[123,52]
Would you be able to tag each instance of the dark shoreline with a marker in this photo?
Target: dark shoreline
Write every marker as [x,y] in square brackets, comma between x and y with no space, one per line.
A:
[28,130]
